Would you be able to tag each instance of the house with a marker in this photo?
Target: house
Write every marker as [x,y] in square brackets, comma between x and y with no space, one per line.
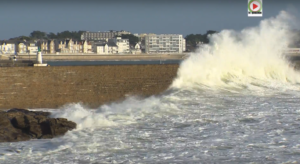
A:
[51,46]
[21,47]
[84,46]
[89,47]
[123,44]
[136,49]
[71,46]
[32,47]
[43,44]
[8,47]
[66,46]
[47,46]
[105,48]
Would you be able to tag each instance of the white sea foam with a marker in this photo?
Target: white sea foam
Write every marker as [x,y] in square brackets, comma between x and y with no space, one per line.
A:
[118,113]
[247,59]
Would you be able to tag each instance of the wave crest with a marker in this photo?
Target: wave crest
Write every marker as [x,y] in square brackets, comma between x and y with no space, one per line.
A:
[246,59]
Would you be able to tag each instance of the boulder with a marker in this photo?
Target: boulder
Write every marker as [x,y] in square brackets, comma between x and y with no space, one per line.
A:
[21,125]
[7,131]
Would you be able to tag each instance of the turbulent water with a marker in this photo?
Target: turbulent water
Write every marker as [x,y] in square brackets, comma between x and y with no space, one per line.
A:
[234,101]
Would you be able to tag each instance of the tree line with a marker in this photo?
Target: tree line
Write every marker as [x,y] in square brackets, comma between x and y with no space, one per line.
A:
[43,35]
[76,35]
[193,39]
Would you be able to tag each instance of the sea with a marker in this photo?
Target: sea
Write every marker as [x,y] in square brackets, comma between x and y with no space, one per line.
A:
[111,62]
[235,100]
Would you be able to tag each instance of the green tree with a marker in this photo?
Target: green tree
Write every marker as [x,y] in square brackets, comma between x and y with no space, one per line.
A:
[38,35]
[209,32]
[132,39]
[51,35]
[21,38]
[69,34]
[193,39]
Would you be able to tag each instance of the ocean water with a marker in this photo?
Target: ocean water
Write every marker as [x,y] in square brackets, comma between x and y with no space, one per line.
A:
[121,62]
[235,100]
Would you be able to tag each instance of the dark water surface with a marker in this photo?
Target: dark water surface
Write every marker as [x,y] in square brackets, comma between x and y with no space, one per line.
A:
[90,63]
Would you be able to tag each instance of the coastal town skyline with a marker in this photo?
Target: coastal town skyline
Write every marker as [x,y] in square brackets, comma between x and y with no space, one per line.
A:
[158,17]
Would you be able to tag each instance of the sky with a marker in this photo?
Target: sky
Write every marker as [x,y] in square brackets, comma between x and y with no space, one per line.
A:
[137,16]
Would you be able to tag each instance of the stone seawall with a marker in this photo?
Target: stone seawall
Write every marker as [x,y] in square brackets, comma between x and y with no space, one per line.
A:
[52,87]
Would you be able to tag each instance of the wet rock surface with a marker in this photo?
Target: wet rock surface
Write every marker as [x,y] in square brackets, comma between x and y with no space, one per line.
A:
[21,125]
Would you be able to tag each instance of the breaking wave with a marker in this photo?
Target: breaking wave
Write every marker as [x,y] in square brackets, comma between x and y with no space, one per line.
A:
[131,110]
[249,59]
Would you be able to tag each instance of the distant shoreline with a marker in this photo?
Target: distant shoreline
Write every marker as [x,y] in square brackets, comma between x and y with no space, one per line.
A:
[94,57]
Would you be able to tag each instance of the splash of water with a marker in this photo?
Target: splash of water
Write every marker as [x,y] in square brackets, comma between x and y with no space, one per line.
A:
[248,59]
[129,111]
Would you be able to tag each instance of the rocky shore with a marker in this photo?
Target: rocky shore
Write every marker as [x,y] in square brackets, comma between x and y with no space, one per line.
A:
[21,125]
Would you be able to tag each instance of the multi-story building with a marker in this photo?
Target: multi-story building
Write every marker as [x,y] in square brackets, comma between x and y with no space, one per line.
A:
[86,46]
[105,48]
[32,47]
[69,46]
[102,35]
[21,47]
[143,36]
[164,43]
[123,44]
[8,47]
[47,46]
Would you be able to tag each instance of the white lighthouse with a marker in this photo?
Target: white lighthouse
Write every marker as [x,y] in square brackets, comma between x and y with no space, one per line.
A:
[39,58]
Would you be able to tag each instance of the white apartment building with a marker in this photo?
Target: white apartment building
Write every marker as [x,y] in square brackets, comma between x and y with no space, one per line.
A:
[164,43]
[123,44]
[7,47]
[102,35]
[105,48]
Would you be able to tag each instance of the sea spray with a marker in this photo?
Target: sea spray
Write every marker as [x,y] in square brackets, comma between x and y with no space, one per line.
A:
[249,59]
[118,113]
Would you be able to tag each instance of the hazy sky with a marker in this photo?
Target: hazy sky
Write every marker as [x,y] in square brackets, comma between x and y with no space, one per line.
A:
[137,16]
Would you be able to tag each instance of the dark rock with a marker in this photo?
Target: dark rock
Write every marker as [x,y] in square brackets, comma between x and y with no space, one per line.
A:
[4,121]
[8,133]
[21,125]
[60,126]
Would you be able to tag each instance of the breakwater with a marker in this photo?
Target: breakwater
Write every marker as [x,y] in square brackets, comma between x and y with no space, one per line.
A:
[52,87]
